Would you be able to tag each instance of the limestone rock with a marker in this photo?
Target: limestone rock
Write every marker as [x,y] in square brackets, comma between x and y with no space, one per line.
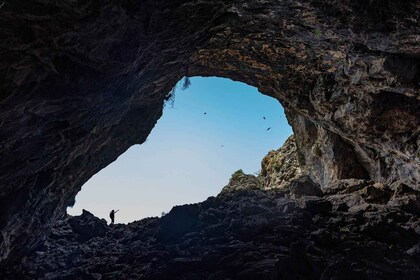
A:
[280,167]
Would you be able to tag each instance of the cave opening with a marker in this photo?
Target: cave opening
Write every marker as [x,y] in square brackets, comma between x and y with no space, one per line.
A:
[211,129]
[83,81]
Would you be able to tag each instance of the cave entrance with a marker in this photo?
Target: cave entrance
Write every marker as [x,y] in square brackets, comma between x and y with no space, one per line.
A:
[213,128]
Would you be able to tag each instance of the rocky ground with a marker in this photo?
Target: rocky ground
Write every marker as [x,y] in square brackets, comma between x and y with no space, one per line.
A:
[358,230]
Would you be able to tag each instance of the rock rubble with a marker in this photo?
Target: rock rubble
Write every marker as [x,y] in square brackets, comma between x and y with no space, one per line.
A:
[358,230]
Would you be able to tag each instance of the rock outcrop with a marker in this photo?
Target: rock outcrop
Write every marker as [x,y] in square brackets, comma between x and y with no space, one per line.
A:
[240,181]
[87,226]
[279,167]
[82,81]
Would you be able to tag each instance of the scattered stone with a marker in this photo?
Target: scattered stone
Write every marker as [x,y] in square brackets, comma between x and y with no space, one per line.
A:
[279,167]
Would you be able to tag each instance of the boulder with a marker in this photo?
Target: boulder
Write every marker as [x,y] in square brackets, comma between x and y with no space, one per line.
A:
[177,222]
[304,186]
[315,205]
[88,226]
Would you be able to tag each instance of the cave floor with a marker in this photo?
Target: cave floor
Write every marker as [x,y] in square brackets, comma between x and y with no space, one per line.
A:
[243,234]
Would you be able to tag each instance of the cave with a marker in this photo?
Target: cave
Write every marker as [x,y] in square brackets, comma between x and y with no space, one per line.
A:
[204,135]
[82,81]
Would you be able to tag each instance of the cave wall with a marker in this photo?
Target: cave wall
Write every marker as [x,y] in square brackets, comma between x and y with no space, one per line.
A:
[82,81]
[334,69]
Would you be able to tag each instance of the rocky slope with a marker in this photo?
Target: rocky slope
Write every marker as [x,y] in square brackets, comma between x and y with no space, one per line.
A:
[357,230]
[83,80]
[244,234]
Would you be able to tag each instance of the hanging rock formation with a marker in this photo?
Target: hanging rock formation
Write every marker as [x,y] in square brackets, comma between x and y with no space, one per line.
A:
[82,81]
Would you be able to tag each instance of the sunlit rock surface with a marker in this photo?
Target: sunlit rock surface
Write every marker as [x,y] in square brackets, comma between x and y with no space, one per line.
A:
[279,167]
[82,81]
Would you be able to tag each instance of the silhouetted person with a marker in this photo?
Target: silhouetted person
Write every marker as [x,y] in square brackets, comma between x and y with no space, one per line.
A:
[112,215]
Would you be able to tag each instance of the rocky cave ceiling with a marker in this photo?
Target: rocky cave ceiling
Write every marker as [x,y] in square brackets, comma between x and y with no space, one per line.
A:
[82,81]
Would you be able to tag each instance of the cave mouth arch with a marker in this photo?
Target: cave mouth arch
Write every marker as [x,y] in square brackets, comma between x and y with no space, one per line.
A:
[212,129]
[79,89]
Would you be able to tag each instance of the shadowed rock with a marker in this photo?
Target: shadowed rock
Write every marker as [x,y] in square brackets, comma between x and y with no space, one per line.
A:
[88,226]
[82,81]
[241,235]
[304,186]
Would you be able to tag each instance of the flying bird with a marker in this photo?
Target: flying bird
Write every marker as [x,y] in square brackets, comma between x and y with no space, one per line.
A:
[205,113]
[268,128]
[264,118]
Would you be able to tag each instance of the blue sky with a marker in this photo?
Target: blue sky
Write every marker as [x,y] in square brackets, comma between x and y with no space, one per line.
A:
[189,155]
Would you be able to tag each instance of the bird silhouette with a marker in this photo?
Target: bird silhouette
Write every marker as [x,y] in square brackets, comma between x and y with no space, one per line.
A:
[205,113]
[264,118]
[268,128]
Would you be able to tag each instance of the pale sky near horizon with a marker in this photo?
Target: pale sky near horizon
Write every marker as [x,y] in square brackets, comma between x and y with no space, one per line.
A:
[215,128]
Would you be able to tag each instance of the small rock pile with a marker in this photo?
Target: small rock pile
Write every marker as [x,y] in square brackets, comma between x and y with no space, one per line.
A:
[356,230]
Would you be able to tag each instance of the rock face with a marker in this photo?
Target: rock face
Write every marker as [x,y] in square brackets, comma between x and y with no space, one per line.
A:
[279,167]
[241,181]
[82,81]
[245,233]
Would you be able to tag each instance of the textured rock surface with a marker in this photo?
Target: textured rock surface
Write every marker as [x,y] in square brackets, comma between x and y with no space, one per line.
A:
[245,234]
[304,186]
[82,81]
[279,167]
[88,226]
[241,181]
